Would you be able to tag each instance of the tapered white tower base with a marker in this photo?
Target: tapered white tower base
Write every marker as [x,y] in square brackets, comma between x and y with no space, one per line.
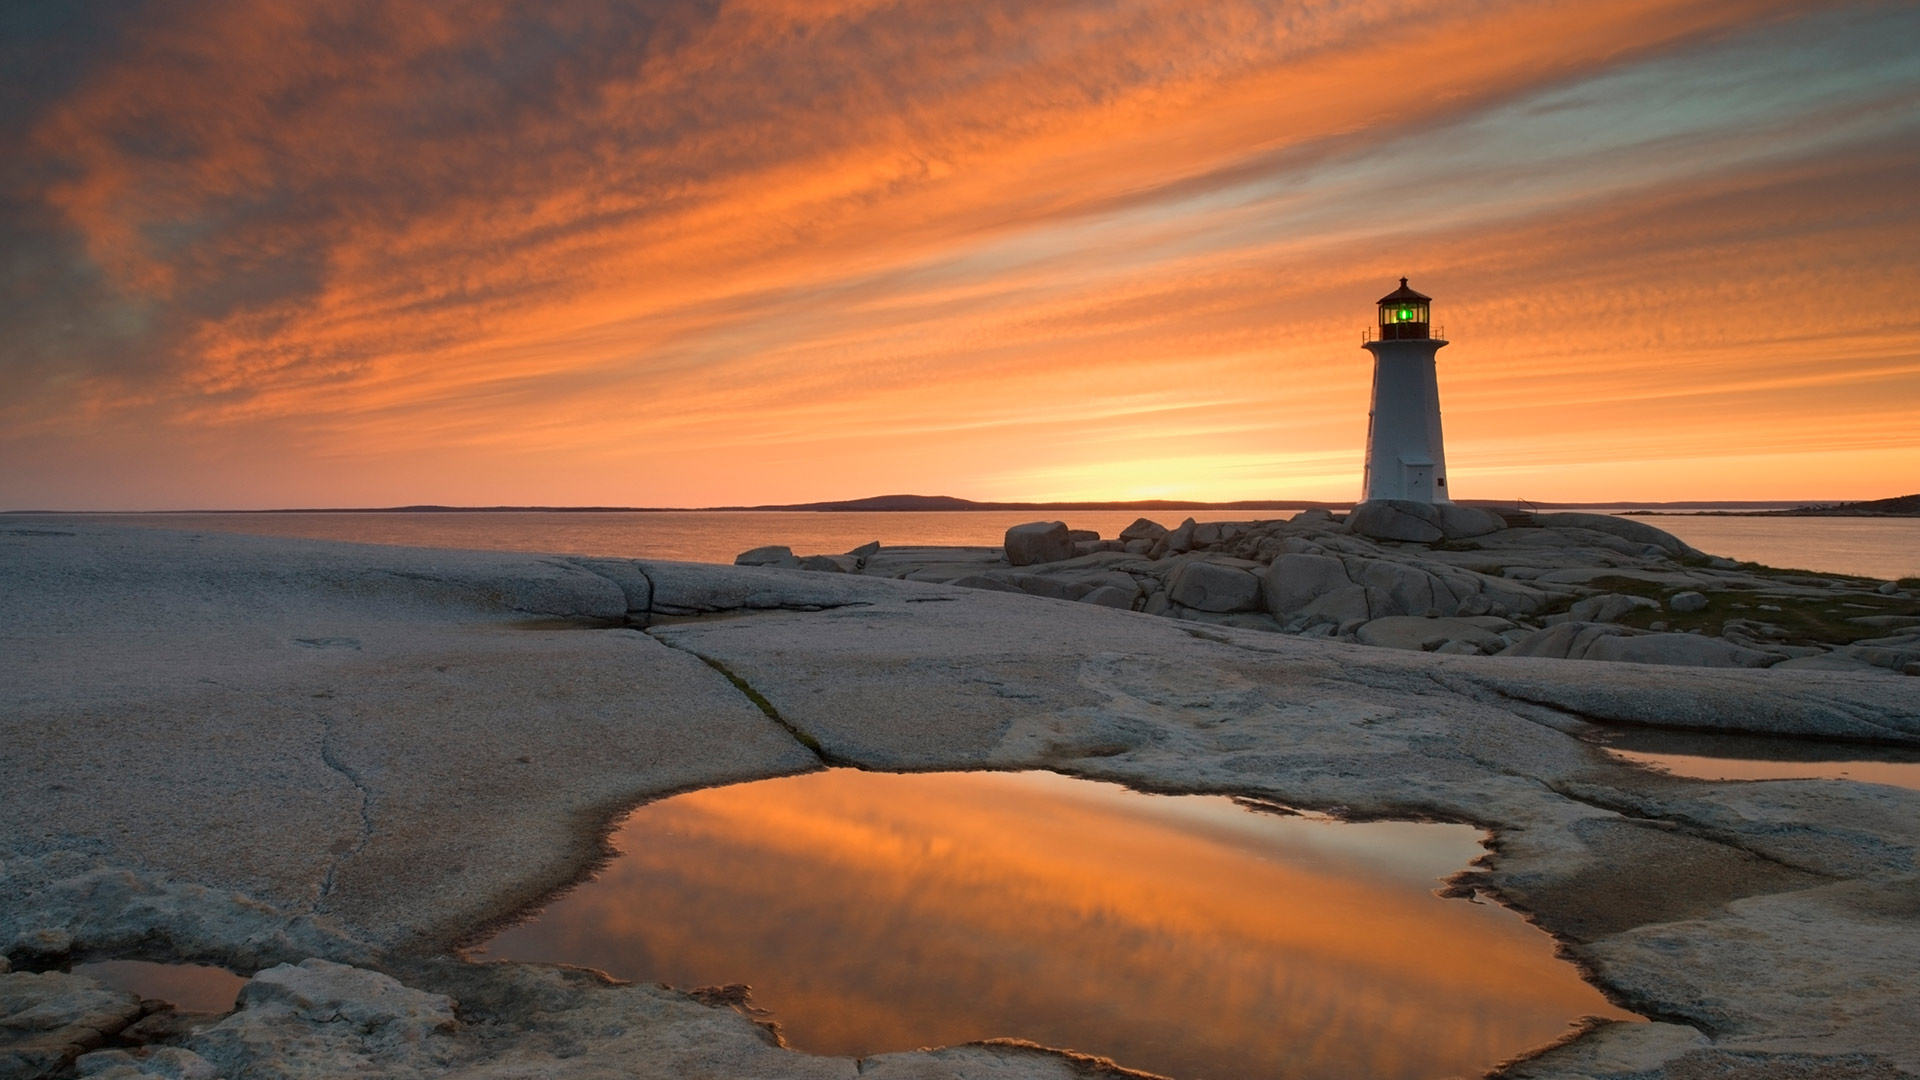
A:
[1405,457]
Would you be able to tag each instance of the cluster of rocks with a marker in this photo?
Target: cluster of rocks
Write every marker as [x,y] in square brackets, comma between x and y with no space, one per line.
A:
[1449,579]
[393,749]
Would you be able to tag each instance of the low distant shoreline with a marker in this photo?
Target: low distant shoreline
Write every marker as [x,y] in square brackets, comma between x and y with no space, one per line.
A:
[1902,506]
[946,503]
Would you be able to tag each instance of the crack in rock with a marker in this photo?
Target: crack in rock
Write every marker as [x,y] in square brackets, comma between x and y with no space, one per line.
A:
[331,758]
[800,734]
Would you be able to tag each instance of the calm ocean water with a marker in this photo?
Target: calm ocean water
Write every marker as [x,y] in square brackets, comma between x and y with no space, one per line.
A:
[1877,547]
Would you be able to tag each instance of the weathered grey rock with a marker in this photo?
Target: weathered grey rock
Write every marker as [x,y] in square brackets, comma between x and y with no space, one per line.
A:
[1052,588]
[830,564]
[48,1019]
[1832,661]
[1418,634]
[1143,529]
[1140,546]
[1561,641]
[153,1063]
[1039,542]
[1111,596]
[1409,590]
[141,664]
[1396,519]
[1294,581]
[1687,602]
[1886,621]
[1314,517]
[1465,522]
[769,555]
[1207,586]
[1637,532]
[1180,540]
[983,581]
[1888,588]
[1609,607]
[1604,641]
[865,551]
[1690,650]
[1893,659]
[1348,607]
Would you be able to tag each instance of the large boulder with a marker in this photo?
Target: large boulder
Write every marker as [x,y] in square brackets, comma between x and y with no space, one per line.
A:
[1418,634]
[1688,601]
[1410,590]
[1039,542]
[1181,538]
[1462,522]
[1604,641]
[1143,529]
[1206,586]
[1609,607]
[1347,608]
[1638,532]
[1111,596]
[1295,580]
[770,555]
[830,564]
[1396,519]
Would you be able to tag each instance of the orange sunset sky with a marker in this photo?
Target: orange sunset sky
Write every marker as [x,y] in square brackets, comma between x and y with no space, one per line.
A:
[263,253]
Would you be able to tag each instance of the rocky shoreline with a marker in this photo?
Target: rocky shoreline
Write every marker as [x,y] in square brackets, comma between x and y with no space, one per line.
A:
[1454,580]
[328,766]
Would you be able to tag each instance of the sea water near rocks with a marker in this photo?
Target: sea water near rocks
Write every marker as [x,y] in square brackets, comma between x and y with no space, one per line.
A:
[1188,935]
[1876,547]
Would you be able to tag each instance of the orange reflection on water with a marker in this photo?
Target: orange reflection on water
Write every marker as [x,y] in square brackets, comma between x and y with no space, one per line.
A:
[189,987]
[1904,774]
[876,912]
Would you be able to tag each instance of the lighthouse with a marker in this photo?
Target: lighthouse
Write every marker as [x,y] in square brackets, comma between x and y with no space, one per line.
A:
[1404,457]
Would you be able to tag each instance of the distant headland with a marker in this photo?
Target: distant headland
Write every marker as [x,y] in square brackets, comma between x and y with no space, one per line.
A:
[1898,506]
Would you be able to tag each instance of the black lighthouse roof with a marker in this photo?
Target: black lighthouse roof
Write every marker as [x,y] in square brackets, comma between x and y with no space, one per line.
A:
[1403,293]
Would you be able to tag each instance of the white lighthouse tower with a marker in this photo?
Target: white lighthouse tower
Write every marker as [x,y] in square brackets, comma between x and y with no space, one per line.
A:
[1404,457]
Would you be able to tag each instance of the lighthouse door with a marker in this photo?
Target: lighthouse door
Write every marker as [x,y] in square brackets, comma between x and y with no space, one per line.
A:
[1417,481]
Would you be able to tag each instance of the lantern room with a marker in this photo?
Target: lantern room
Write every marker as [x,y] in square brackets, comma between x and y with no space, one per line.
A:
[1403,314]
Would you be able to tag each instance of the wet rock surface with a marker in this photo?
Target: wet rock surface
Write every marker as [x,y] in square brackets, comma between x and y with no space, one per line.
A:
[358,810]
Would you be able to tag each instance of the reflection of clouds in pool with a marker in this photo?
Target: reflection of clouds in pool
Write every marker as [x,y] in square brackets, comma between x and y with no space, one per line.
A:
[875,912]
[190,987]
[1904,774]
[1710,755]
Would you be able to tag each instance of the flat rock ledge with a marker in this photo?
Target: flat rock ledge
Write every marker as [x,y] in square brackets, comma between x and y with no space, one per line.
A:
[1558,586]
[329,766]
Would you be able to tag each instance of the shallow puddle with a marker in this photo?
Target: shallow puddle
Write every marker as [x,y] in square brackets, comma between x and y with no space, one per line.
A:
[1710,756]
[190,987]
[1187,936]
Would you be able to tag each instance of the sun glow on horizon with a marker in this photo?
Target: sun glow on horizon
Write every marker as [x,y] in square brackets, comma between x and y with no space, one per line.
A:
[278,254]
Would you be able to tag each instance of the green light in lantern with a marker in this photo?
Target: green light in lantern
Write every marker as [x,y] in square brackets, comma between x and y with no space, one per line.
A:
[1406,315]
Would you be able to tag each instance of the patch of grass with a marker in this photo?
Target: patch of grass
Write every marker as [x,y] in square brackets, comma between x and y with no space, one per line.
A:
[1811,577]
[1911,584]
[1806,620]
[1632,586]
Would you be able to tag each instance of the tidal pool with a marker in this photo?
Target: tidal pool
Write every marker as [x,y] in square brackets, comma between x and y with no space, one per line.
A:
[1715,756]
[1188,936]
[190,987]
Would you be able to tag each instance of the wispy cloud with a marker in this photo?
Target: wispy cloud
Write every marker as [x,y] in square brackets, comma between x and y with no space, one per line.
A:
[684,252]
